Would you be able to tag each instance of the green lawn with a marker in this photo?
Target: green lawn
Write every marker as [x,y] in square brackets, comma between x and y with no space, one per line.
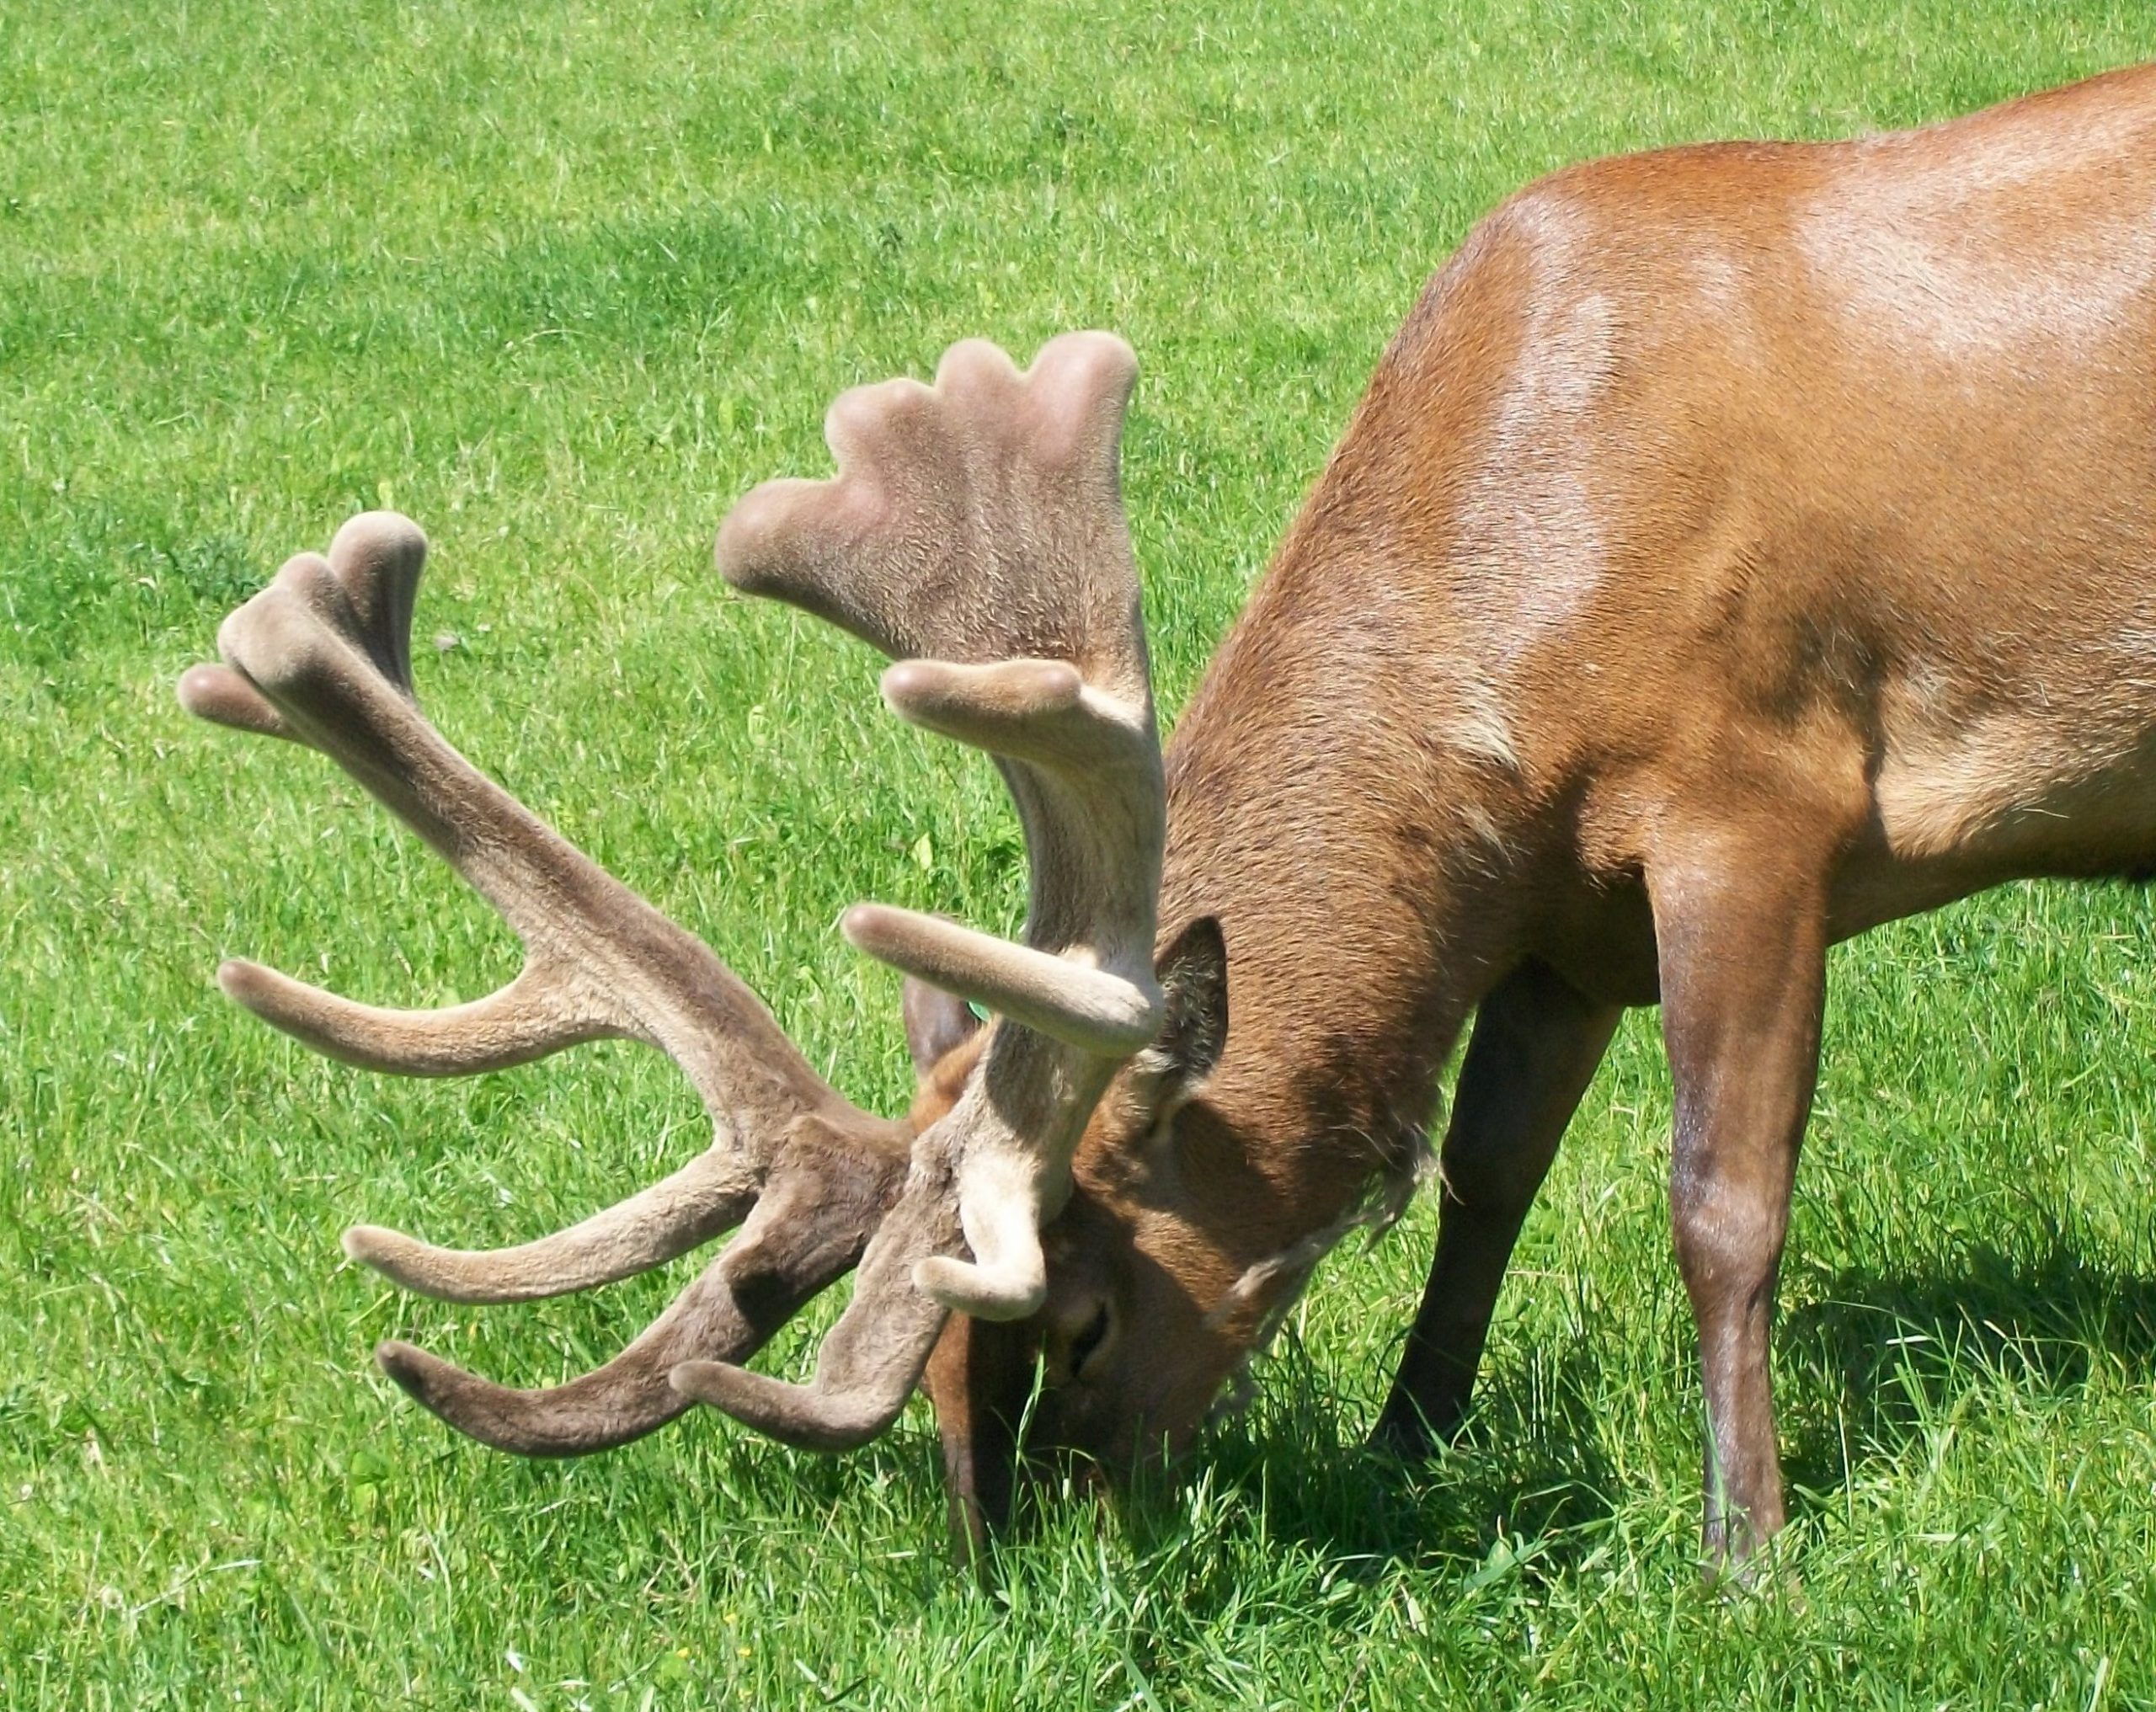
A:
[561,281]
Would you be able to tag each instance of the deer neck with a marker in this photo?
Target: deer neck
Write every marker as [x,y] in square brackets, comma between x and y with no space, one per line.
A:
[1338,798]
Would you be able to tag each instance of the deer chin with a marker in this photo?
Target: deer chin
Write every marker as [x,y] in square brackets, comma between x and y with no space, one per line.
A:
[978,1380]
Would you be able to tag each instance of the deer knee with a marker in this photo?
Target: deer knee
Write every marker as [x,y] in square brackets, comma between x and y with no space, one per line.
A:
[1729,1234]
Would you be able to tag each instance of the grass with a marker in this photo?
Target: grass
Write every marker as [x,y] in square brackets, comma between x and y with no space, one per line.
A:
[561,281]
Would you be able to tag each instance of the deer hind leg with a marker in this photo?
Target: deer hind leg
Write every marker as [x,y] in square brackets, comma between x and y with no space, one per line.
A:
[1742,943]
[1534,1048]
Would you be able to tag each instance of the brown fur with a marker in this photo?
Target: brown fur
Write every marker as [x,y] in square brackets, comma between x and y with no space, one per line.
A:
[1738,546]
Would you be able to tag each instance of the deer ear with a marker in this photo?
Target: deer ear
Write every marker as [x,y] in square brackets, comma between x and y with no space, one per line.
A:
[1193,976]
[937,1022]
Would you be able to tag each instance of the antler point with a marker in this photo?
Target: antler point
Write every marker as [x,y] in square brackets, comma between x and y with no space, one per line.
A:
[859,921]
[375,533]
[365,1244]
[223,697]
[239,980]
[405,1362]
[967,1288]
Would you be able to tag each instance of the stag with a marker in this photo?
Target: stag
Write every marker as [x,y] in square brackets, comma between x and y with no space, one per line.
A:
[1739,546]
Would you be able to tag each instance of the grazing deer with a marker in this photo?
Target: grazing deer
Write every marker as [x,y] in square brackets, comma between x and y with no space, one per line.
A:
[1739,546]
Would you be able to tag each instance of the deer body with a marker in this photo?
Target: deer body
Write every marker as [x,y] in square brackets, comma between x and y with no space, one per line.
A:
[1738,547]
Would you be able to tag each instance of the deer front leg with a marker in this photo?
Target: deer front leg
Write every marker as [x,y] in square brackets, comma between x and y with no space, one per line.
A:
[1534,1048]
[1743,953]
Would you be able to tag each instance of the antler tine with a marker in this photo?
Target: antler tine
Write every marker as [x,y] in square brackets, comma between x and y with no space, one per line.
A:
[679,1213]
[321,656]
[824,1197]
[975,532]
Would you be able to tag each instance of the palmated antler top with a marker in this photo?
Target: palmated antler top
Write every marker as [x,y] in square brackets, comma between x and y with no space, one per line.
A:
[975,530]
[975,534]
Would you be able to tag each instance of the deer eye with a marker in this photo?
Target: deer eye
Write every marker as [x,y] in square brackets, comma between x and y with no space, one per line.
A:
[1089,1339]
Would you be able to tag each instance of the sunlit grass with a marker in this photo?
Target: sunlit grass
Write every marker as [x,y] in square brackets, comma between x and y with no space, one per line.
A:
[561,281]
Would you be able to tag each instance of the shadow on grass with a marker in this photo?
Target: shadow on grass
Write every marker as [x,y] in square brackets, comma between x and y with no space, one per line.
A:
[1862,1367]
[1875,1355]
[1529,1477]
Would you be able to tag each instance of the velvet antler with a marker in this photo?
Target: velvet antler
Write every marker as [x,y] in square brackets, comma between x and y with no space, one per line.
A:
[322,656]
[974,532]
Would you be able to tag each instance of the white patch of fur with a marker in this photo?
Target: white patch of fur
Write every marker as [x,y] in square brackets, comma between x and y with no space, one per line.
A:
[1528,520]
[1477,726]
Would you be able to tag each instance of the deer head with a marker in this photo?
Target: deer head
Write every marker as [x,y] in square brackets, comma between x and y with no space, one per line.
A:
[1159,1285]
[974,533]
